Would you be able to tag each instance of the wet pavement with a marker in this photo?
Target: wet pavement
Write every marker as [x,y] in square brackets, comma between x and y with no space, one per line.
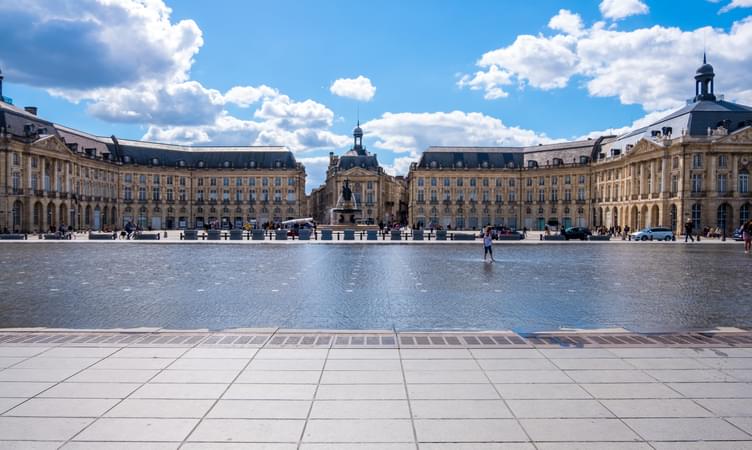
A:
[639,286]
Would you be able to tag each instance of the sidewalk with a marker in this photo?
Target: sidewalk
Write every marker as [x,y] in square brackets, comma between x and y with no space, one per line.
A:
[190,390]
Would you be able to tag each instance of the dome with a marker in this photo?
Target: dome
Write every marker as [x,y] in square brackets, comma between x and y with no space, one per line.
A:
[358,131]
[705,69]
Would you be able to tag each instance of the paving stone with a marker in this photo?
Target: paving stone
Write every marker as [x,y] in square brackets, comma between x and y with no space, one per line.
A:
[577,353]
[714,390]
[666,363]
[40,428]
[370,353]
[516,364]
[528,376]
[77,445]
[703,445]
[469,430]
[745,423]
[292,353]
[430,353]
[270,392]
[685,429]
[361,377]
[210,352]
[630,390]
[52,375]
[8,361]
[460,409]
[452,391]
[688,376]
[363,364]
[113,376]
[195,376]
[354,446]
[80,352]
[90,390]
[247,430]
[209,364]
[558,409]
[133,363]
[650,352]
[542,391]
[22,389]
[180,391]
[367,430]
[475,446]
[29,445]
[449,376]
[712,352]
[591,364]
[577,430]
[609,376]
[38,362]
[739,374]
[726,363]
[592,446]
[8,403]
[279,376]
[260,409]
[23,352]
[667,407]
[162,408]
[727,406]
[361,392]
[132,429]
[63,407]
[439,364]
[150,352]
[360,409]
[237,446]
[286,364]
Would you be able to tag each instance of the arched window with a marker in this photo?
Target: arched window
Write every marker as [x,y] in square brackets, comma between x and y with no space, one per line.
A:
[744,213]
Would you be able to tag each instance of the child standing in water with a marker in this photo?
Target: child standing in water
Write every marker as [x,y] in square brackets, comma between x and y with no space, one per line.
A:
[487,242]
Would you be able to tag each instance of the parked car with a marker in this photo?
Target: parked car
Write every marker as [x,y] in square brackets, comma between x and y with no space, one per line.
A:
[654,234]
[738,234]
[580,233]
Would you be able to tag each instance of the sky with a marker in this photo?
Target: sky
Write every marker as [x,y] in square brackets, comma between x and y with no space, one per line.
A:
[416,73]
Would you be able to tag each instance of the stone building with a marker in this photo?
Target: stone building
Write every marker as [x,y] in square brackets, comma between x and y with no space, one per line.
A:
[692,165]
[382,197]
[51,175]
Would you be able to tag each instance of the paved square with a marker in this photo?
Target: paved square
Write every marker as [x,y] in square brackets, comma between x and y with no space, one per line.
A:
[213,397]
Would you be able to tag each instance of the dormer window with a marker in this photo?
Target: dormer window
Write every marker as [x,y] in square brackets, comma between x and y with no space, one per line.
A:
[201,164]
[484,164]
[278,164]
[155,161]
[252,164]
[434,164]
[458,164]
[226,164]
[181,163]
[126,159]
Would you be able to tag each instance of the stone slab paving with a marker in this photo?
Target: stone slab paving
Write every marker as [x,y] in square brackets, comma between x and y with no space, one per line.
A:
[161,396]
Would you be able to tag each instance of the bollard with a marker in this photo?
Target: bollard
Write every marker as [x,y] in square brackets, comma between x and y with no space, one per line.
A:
[723,237]
[698,237]
[541,237]
[165,234]
[630,237]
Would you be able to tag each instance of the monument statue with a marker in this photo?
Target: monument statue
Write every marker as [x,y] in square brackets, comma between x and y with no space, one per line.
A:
[346,192]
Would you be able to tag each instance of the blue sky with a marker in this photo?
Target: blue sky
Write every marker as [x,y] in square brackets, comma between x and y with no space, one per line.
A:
[444,72]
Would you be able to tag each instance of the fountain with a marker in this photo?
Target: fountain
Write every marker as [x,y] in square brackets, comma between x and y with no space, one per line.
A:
[346,212]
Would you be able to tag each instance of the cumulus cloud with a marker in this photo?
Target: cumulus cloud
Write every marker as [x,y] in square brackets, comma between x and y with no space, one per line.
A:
[315,170]
[619,9]
[736,4]
[567,22]
[359,88]
[245,96]
[643,121]
[652,67]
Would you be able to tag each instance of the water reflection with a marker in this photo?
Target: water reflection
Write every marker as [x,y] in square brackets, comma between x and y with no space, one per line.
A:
[644,287]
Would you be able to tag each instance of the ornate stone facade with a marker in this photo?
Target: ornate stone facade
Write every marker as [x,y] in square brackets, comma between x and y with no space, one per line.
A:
[382,197]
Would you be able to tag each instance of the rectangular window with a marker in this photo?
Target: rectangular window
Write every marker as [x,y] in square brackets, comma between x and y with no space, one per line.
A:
[34,162]
[541,195]
[499,197]
[291,181]
[697,160]
[200,182]
[485,196]
[16,159]
[238,181]
[485,182]
[156,179]
[182,181]
[421,182]
[128,193]
[582,179]
[421,195]
[265,195]
[433,182]
[512,196]
[252,196]
[251,181]
[511,182]
[674,184]
[225,195]
[264,181]
[743,183]
[170,195]
[541,181]
[213,181]
[675,162]
[722,161]
[369,197]
[128,178]
[554,195]
[277,195]
[696,182]
[155,194]
[34,182]
[459,182]
[213,195]
[142,179]
[142,193]
[581,194]
[473,182]
[567,195]
[529,181]
[461,196]
[447,196]
[238,195]
[291,195]
[529,195]
[722,179]
[200,196]
[182,195]
[169,179]
[225,181]
[567,179]
[555,181]
[277,181]
[447,182]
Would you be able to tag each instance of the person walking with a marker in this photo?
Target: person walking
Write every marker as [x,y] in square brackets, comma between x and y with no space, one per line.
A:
[688,231]
[747,235]
[487,243]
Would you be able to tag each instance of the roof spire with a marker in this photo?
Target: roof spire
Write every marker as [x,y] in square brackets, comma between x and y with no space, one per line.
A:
[704,58]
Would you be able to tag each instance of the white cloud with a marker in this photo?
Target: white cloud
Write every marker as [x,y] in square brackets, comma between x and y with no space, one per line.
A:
[315,170]
[245,96]
[359,88]
[489,81]
[652,67]
[643,121]
[736,4]
[567,22]
[619,9]
[411,133]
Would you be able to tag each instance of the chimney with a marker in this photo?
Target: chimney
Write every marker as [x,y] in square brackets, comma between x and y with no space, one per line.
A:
[31,109]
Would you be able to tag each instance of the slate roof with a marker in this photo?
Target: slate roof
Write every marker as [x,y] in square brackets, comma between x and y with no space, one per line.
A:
[470,157]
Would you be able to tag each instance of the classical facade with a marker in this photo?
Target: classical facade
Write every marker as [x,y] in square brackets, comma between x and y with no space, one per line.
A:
[692,165]
[51,175]
[380,196]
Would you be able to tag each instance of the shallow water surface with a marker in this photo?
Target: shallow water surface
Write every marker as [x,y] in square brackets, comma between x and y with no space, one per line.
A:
[640,286]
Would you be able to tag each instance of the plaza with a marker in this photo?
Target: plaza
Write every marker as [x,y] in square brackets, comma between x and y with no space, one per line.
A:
[287,389]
